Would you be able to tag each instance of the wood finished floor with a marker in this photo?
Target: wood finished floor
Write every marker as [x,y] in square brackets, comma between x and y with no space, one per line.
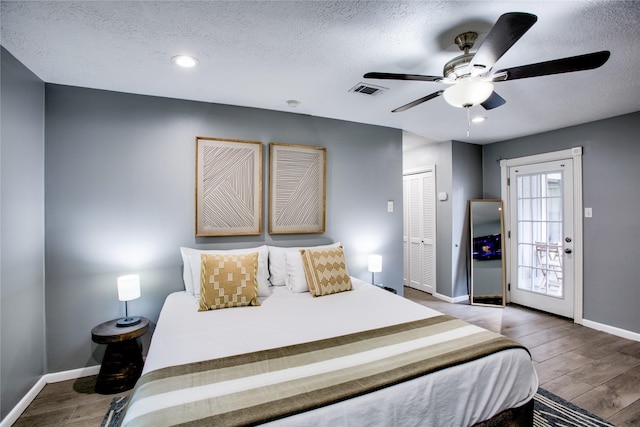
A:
[595,370]
[72,403]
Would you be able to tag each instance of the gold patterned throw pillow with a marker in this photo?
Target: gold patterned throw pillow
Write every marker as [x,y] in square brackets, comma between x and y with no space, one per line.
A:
[228,281]
[326,271]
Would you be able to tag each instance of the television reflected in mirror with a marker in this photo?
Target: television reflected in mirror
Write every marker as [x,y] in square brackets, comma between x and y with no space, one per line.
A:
[487,247]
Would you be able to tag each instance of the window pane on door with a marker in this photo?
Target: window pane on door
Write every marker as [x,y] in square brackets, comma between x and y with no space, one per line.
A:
[539,217]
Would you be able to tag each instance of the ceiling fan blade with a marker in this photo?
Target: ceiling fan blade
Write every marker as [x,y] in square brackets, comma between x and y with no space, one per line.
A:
[418,101]
[494,101]
[556,66]
[507,30]
[395,76]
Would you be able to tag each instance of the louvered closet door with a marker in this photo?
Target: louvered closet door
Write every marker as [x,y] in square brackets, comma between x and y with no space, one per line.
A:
[419,226]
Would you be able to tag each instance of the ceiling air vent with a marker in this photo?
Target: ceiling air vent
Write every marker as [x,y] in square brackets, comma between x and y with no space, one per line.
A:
[367,89]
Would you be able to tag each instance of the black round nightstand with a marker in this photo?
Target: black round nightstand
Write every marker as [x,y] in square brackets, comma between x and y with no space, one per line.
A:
[122,363]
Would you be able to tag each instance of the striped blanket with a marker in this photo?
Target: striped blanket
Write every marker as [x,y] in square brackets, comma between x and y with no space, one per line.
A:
[267,385]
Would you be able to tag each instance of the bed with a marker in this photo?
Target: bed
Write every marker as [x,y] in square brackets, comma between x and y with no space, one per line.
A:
[349,358]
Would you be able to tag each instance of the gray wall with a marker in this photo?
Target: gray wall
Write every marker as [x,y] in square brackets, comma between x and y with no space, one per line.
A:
[120,199]
[611,179]
[459,174]
[22,340]
[440,156]
[467,185]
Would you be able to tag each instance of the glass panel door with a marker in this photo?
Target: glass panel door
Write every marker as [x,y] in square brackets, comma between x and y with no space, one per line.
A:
[541,222]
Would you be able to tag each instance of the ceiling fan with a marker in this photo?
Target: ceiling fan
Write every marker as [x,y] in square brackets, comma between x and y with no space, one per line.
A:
[471,74]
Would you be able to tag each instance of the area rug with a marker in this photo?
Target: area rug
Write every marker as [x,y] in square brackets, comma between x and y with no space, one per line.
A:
[549,410]
[115,413]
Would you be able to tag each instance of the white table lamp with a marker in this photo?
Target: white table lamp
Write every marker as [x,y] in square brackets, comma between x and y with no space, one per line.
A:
[375,265]
[128,289]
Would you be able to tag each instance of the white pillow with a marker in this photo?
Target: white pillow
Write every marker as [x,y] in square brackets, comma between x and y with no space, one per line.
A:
[278,265]
[192,265]
[187,278]
[296,281]
[278,262]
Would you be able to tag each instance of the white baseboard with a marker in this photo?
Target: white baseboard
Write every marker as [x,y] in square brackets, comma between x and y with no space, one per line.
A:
[451,300]
[461,298]
[55,377]
[611,330]
[17,410]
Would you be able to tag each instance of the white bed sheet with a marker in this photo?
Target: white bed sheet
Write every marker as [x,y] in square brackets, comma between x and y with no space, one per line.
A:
[457,396]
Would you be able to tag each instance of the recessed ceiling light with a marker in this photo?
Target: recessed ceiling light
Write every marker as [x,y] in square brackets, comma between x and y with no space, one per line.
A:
[478,119]
[293,103]
[185,61]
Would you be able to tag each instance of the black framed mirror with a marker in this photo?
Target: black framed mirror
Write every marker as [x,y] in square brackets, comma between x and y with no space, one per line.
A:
[487,260]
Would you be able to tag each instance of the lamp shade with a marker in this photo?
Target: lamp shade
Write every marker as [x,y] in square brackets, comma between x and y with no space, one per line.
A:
[375,263]
[128,287]
[468,92]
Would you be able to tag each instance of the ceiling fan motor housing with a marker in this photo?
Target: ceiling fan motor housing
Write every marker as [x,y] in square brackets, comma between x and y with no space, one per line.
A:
[466,40]
[457,67]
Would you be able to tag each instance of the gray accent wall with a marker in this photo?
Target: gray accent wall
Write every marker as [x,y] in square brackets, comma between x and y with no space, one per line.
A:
[440,156]
[22,320]
[120,172]
[611,187]
[467,185]
[459,174]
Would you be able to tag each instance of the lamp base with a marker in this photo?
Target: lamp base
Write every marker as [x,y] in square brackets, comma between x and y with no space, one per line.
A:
[128,321]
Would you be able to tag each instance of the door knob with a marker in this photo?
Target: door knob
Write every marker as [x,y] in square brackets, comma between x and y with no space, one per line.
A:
[567,239]
[567,251]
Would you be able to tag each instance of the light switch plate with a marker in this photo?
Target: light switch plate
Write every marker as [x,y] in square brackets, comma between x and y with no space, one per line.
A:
[390,206]
[588,212]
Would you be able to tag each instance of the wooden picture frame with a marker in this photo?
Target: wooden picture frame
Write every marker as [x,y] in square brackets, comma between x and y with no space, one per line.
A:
[228,187]
[297,189]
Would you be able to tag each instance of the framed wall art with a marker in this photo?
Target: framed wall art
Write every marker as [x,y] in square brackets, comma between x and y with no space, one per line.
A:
[228,187]
[297,189]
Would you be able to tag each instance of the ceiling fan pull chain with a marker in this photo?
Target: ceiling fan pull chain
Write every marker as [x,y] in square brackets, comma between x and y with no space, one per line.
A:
[468,122]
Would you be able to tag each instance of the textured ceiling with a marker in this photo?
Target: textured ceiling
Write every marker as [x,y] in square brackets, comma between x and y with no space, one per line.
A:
[262,53]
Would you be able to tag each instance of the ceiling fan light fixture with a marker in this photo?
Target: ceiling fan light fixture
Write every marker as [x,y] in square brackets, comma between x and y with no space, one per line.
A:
[468,92]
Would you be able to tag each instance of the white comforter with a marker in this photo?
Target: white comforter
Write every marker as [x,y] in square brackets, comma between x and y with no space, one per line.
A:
[457,396]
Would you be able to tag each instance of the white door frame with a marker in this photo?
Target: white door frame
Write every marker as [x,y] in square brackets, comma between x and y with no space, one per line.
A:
[575,154]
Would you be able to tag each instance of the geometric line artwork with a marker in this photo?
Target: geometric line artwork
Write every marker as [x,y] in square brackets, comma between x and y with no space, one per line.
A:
[296,189]
[228,187]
